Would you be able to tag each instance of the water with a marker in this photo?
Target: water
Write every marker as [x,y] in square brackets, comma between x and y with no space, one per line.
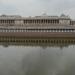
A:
[37,60]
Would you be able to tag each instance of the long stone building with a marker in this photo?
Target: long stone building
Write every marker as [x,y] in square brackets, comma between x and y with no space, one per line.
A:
[15,20]
[38,26]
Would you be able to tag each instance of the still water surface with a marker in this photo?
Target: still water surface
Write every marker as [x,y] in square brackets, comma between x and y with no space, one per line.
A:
[37,60]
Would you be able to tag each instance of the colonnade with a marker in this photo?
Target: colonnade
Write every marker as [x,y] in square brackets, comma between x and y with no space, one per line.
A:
[40,21]
[31,21]
[7,21]
[37,30]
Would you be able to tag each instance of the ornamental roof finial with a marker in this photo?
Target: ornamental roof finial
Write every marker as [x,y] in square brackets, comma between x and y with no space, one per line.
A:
[44,14]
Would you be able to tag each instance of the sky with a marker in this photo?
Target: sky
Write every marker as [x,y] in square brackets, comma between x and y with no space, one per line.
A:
[37,7]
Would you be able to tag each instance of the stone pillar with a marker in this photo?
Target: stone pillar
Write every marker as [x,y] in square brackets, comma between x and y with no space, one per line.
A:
[54,21]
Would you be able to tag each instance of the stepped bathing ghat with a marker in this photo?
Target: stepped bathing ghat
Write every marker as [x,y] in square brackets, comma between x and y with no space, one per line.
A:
[43,28]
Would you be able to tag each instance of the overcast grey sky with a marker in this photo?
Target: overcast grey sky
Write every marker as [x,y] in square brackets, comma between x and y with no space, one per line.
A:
[37,7]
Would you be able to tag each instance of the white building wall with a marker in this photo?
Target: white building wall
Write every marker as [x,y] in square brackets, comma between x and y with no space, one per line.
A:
[63,22]
[19,22]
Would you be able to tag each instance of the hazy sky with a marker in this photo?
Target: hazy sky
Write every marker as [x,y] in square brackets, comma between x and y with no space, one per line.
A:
[37,7]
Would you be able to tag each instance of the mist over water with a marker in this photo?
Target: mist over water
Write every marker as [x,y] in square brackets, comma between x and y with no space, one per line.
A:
[37,60]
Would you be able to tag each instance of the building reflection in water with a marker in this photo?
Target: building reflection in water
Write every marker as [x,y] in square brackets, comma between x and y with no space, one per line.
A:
[35,57]
[40,42]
